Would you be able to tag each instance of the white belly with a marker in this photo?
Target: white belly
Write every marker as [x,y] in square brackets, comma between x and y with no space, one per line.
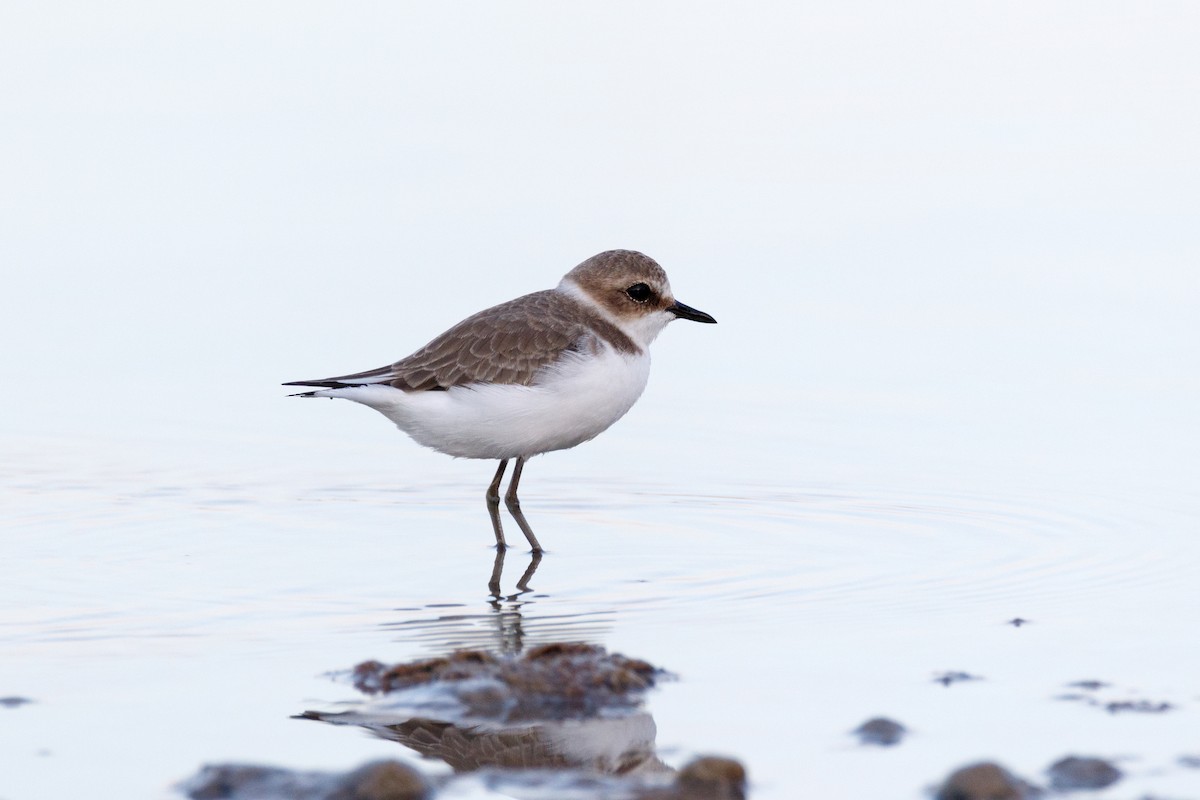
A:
[568,405]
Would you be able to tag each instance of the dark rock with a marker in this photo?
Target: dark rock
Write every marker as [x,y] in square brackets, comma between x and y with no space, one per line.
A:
[1089,686]
[985,781]
[1075,772]
[1190,761]
[1017,622]
[382,780]
[881,731]
[711,778]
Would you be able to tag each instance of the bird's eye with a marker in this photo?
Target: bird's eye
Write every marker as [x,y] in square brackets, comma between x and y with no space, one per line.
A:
[639,293]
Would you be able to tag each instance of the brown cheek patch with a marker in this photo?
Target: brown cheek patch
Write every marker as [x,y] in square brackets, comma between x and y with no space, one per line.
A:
[616,302]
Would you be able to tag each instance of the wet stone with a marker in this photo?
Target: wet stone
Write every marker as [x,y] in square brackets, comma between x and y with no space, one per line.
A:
[880,731]
[705,778]
[382,780]
[713,777]
[1075,772]
[985,781]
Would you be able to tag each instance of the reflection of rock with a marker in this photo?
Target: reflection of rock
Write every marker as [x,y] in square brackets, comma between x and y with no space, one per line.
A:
[985,781]
[1074,772]
[881,731]
[382,780]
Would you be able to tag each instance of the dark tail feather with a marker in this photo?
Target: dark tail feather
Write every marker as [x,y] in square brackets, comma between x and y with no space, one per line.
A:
[326,384]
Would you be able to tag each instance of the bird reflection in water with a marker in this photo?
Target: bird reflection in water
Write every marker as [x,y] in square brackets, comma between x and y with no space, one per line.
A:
[555,707]
[525,706]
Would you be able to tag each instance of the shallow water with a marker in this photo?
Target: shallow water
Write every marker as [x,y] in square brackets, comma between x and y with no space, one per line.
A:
[169,610]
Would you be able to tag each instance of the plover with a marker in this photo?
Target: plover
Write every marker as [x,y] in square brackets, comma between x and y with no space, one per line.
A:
[546,371]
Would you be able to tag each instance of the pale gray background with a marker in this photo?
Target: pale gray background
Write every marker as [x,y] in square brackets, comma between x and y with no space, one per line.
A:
[952,248]
[980,212]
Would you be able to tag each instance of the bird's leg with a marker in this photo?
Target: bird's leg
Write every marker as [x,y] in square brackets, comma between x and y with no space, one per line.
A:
[493,504]
[514,505]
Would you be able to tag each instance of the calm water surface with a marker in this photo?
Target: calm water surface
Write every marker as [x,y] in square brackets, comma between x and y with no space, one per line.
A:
[169,606]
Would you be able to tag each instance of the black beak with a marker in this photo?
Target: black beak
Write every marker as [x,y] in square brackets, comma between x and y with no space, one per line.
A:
[687,312]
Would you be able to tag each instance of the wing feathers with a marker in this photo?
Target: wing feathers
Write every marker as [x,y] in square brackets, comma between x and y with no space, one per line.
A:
[509,343]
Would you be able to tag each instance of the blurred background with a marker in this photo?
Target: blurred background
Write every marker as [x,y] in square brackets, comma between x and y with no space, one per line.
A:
[973,221]
[953,249]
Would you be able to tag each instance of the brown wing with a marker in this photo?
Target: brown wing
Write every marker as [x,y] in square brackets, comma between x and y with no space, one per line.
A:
[505,344]
[508,343]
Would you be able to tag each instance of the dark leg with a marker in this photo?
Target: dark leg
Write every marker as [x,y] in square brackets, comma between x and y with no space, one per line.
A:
[493,504]
[514,505]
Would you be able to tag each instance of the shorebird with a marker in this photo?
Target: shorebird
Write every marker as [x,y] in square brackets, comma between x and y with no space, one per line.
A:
[544,372]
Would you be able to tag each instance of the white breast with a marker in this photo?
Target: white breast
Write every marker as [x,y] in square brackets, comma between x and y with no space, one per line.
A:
[571,403]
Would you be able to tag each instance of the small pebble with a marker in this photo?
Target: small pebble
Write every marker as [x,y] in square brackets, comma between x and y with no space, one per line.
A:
[984,781]
[382,780]
[881,731]
[712,778]
[1075,772]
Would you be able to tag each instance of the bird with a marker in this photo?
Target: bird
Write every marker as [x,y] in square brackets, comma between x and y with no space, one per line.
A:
[543,372]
